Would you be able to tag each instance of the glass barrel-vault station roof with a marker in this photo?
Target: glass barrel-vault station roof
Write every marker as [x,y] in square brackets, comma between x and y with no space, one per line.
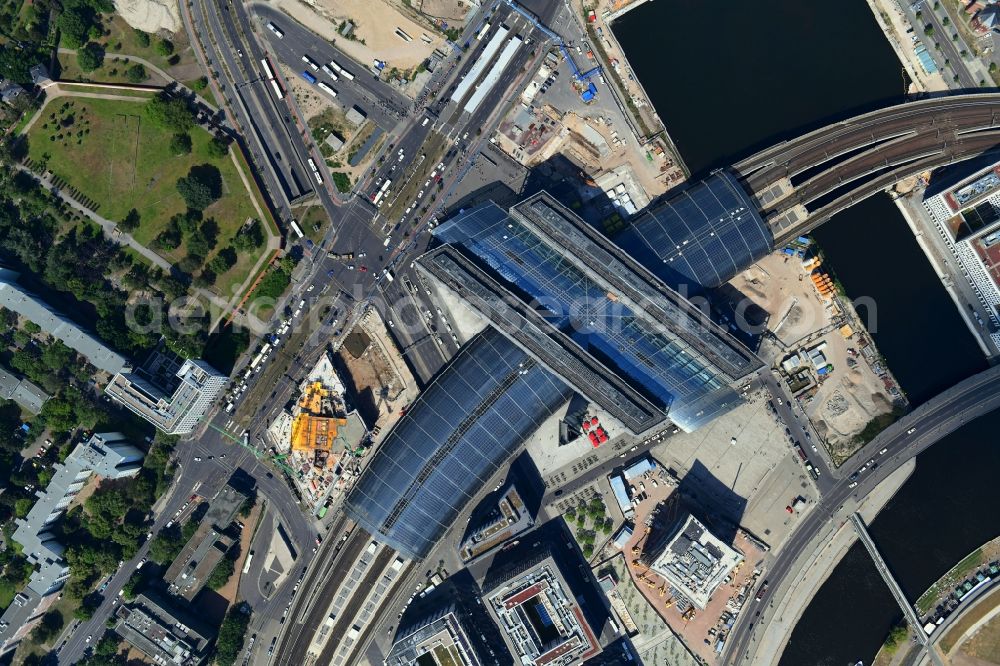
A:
[606,304]
[701,237]
[465,426]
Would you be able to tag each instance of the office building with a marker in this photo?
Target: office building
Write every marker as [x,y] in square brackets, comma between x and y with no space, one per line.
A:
[590,314]
[16,298]
[174,407]
[164,634]
[107,455]
[540,618]
[440,638]
[689,557]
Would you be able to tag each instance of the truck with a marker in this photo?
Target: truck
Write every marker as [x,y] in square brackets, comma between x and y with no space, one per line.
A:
[343,256]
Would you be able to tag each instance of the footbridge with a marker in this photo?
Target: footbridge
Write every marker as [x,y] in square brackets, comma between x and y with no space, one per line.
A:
[712,229]
[897,592]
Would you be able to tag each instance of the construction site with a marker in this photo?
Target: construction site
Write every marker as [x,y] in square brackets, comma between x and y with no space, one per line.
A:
[820,346]
[318,439]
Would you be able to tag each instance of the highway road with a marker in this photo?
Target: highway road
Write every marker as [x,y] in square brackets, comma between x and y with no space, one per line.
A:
[903,440]
[380,102]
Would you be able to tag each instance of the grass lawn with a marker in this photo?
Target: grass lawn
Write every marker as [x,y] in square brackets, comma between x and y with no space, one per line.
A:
[122,39]
[123,161]
[314,222]
[111,71]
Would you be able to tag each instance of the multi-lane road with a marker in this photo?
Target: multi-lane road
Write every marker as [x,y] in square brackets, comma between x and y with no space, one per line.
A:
[903,440]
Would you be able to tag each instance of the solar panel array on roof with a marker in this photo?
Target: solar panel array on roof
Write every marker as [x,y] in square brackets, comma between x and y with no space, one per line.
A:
[653,356]
[467,424]
[701,237]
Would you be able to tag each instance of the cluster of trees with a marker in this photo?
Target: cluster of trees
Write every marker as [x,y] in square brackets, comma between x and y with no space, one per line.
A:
[231,635]
[596,511]
[201,187]
[105,283]
[222,572]
[90,56]
[80,20]
[136,73]
[112,523]
[276,281]
[170,112]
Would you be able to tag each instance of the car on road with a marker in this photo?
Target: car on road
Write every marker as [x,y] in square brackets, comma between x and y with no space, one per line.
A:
[853,485]
[363,269]
[911,431]
[89,638]
[884,451]
[197,458]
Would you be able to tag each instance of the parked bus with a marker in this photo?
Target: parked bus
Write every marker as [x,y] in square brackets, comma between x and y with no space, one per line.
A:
[296,229]
[277,89]
[276,30]
[312,63]
[246,563]
[327,89]
[329,72]
[308,77]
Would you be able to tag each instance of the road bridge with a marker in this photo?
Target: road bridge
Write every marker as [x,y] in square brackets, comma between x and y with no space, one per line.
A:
[903,440]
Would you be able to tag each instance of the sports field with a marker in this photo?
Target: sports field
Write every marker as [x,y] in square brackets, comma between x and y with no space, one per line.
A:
[114,156]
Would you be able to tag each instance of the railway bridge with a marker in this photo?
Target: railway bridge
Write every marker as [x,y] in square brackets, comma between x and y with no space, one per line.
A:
[716,227]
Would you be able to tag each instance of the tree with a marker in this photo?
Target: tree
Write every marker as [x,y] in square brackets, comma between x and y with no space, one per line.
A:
[130,222]
[180,144]
[22,506]
[136,73]
[164,47]
[49,626]
[249,237]
[223,261]
[221,574]
[170,112]
[231,634]
[200,83]
[217,148]
[928,30]
[90,57]
[142,38]
[74,24]
[201,187]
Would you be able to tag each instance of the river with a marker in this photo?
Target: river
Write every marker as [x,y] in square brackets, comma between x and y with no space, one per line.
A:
[728,78]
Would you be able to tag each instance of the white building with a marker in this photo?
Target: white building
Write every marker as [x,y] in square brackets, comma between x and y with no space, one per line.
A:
[176,412]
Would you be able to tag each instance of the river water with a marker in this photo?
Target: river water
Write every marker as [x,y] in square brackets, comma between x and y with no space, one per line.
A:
[727,78]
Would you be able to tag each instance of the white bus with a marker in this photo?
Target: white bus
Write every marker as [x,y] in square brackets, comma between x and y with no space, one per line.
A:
[327,89]
[276,30]
[329,72]
[256,360]
[296,229]
[483,31]
[335,66]
[246,565]
[312,63]
[377,199]
[277,89]
[267,69]
[386,184]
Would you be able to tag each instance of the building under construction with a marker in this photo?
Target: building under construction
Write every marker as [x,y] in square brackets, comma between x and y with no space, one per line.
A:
[317,426]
